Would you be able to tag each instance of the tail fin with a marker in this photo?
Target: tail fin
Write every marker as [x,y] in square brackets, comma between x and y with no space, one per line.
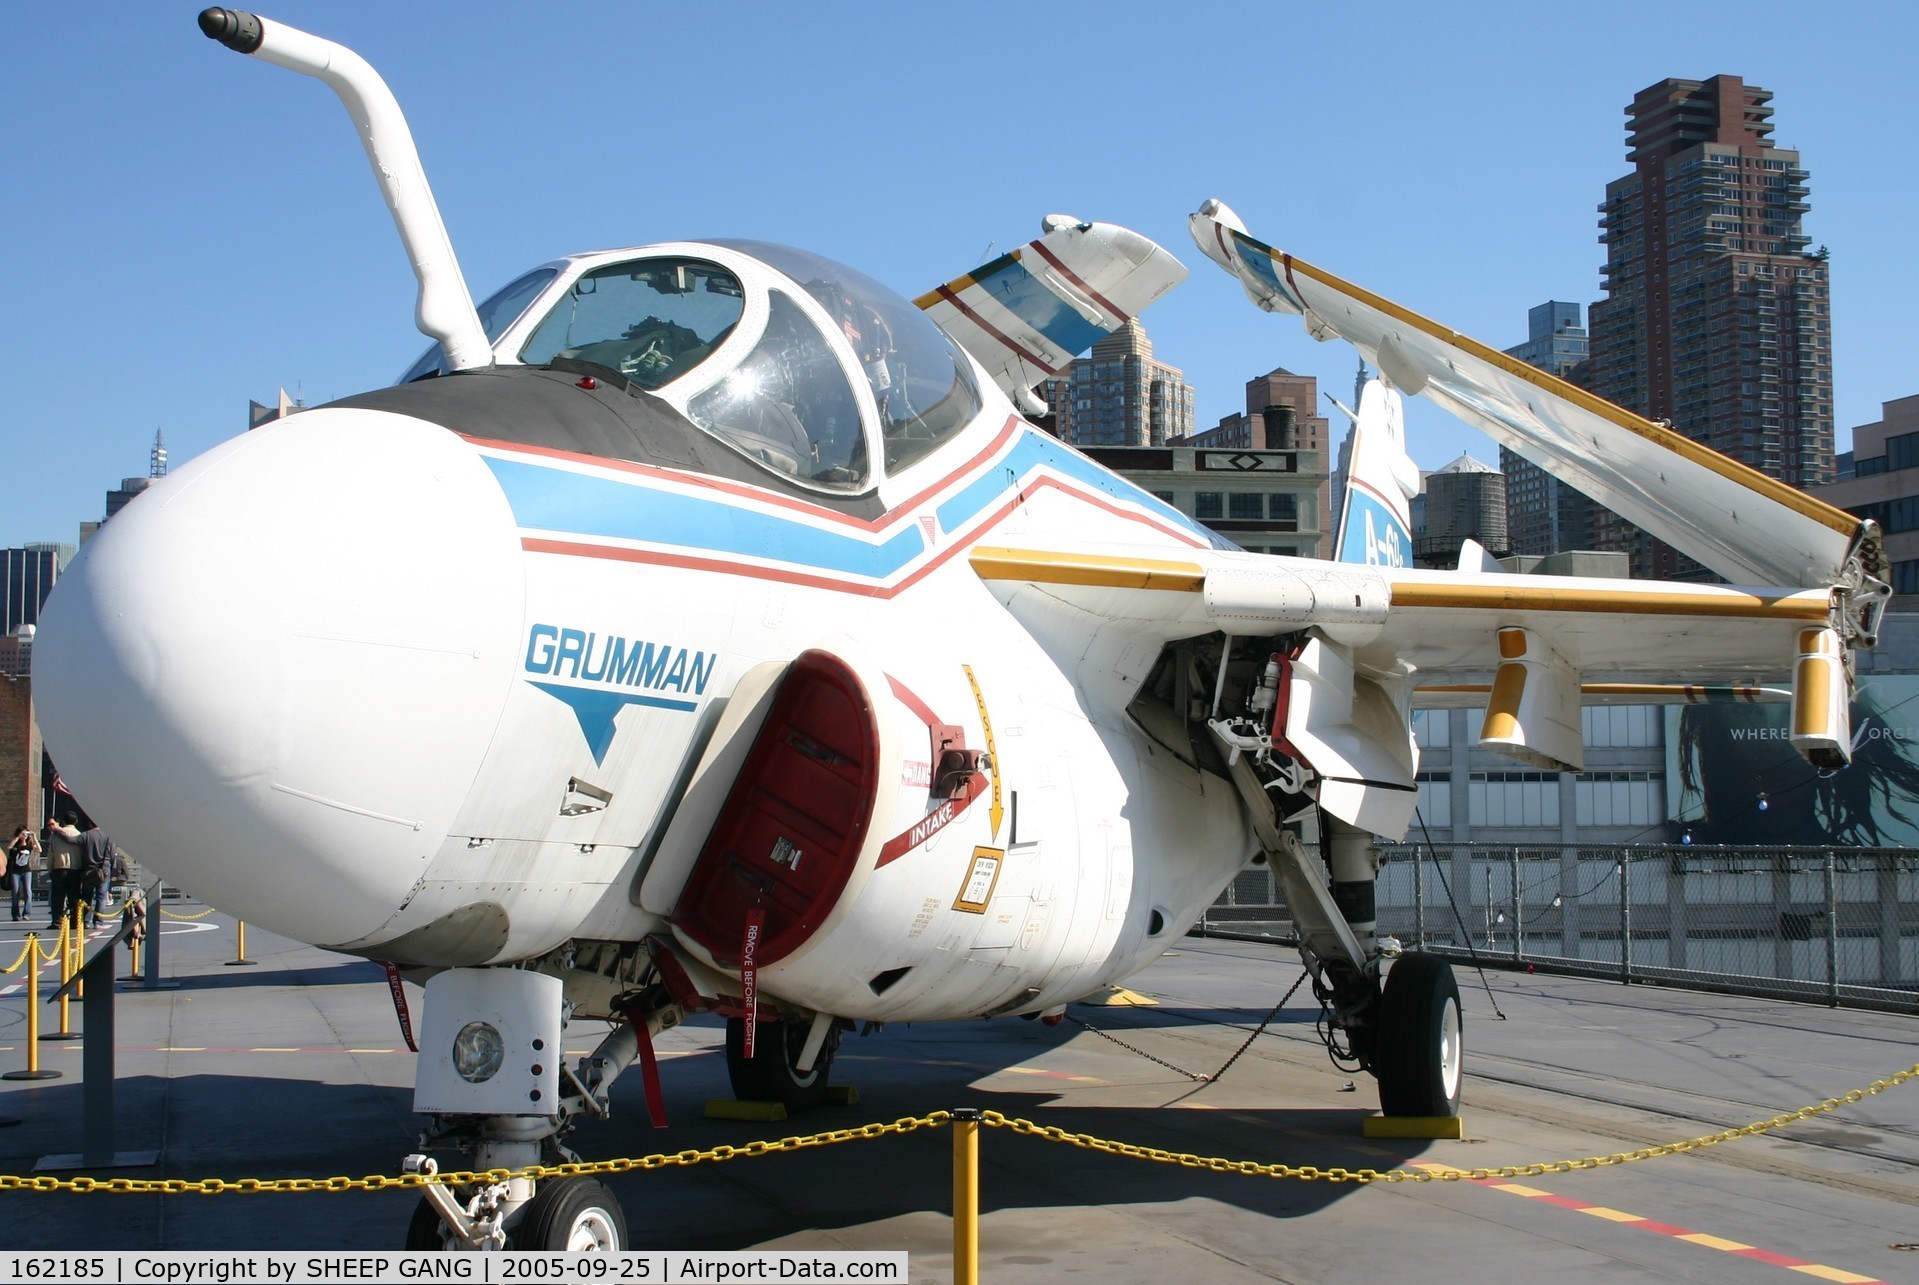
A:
[1375,523]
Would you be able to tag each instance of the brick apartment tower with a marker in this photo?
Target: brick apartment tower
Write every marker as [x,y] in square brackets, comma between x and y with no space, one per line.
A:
[1715,317]
[1120,395]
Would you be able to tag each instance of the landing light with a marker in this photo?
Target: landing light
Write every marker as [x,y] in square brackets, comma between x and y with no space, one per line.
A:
[478,1052]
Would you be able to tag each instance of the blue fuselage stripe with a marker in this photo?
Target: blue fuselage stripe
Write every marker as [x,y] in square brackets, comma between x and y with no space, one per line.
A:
[559,500]
[550,499]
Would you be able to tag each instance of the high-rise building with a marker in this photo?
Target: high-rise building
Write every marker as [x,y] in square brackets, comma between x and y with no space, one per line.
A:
[131,486]
[1543,514]
[1716,319]
[1281,415]
[27,575]
[1555,338]
[1884,486]
[1119,395]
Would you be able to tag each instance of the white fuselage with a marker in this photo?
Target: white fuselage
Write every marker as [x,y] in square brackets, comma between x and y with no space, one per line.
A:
[433,697]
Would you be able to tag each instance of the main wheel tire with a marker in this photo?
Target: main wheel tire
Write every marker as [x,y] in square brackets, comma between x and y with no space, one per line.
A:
[576,1215]
[771,1075]
[1420,1049]
[426,1231]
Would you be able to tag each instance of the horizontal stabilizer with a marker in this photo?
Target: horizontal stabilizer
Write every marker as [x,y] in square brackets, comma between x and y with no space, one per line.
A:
[1027,313]
[1746,526]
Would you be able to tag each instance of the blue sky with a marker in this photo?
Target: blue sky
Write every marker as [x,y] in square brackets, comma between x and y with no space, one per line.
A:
[187,229]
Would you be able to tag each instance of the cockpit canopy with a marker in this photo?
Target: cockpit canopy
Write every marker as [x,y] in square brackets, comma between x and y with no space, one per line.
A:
[801,364]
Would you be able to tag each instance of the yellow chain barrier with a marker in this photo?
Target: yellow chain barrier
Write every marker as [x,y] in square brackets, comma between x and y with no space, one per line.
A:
[174,914]
[1049,1133]
[27,947]
[384,1182]
[1315,1174]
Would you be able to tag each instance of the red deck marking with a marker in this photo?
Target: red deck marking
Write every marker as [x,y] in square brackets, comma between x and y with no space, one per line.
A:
[1703,1239]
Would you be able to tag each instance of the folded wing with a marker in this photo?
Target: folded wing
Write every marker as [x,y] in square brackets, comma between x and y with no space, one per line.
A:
[1745,526]
[1024,315]
[1364,645]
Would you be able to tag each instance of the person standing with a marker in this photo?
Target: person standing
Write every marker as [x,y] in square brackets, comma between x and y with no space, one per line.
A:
[64,869]
[23,858]
[96,880]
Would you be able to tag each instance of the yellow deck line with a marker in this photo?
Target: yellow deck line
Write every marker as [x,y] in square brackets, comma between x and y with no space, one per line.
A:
[1833,1274]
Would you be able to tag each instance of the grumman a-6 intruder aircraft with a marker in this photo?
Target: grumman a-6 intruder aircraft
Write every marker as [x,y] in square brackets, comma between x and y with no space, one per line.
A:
[702,627]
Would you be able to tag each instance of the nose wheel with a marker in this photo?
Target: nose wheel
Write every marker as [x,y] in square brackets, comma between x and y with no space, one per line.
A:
[574,1215]
[1419,1048]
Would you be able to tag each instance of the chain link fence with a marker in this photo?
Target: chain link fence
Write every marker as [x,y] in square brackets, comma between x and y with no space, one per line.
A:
[1838,926]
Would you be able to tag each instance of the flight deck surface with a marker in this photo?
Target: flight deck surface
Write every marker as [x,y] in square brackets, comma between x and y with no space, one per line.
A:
[295,1067]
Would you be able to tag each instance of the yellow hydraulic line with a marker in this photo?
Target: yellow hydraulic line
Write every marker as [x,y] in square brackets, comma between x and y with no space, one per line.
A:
[966,1196]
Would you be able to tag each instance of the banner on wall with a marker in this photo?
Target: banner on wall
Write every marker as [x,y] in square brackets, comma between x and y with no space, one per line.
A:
[1732,776]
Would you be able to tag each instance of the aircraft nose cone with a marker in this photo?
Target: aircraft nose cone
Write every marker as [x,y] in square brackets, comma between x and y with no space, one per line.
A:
[273,677]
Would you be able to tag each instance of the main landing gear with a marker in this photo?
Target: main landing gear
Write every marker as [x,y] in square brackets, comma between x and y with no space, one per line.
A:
[1406,1033]
[780,1070]
[1417,1051]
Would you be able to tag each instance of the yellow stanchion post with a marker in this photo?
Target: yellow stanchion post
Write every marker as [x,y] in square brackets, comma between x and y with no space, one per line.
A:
[33,959]
[966,1196]
[64,950]
[77,946]
[240,956]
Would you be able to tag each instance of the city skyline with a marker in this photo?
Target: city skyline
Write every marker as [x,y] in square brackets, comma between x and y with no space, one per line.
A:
[180,267]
